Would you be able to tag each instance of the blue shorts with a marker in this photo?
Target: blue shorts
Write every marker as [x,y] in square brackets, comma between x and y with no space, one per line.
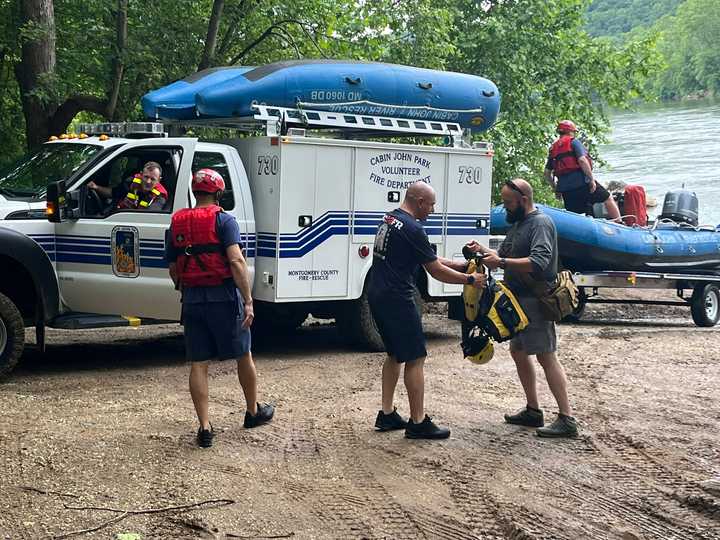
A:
[214,330]
[400,327]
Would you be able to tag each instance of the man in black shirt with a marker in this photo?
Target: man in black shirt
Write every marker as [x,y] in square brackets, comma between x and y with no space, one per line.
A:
[530,249]
[401,246]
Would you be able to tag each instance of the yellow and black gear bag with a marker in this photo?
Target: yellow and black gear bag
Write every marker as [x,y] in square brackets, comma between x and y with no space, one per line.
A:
[494,309]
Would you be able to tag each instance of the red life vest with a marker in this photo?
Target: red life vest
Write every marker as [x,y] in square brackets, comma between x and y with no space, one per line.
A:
[137,197]
[202,262]
[563,157]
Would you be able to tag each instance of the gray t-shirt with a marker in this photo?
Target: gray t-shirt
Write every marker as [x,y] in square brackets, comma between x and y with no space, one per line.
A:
[534,237]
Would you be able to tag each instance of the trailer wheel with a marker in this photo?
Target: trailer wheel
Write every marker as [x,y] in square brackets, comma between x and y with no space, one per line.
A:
[12,335]
[705,304]
[577,313]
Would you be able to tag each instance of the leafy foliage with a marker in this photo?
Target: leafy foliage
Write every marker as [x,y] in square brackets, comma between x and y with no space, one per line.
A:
[616,17]
[546,66]
[547,69]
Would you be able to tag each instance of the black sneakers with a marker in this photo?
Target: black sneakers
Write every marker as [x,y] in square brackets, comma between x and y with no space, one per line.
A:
[389,422]
[563,426]
[264,414]
[426,429]
[205,437]
[526,417]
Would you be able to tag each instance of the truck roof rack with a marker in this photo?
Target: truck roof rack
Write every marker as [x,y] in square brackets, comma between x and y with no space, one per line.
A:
[353,122]
[276,120]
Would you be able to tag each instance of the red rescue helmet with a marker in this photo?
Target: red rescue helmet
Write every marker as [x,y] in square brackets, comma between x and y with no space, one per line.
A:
[208,181]
[566,125]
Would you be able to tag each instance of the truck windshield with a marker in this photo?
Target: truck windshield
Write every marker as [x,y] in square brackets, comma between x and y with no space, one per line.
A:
[29,177]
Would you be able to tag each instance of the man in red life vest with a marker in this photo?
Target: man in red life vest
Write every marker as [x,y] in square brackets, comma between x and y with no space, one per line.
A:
[569,162]
[207,265]
[142,192]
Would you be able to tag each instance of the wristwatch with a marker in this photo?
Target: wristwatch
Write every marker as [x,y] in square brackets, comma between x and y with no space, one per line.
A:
[470,279]
[503,263]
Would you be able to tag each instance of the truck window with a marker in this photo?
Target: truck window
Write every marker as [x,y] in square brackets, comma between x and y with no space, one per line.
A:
[113,181]
[29,177]
[216,161]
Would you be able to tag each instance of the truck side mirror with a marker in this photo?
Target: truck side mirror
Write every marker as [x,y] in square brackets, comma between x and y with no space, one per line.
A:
[56,202]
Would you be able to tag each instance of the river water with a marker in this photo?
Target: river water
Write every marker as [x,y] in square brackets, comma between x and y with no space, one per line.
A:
[663,147]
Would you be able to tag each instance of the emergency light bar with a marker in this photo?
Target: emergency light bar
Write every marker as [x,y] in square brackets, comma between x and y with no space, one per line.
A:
[124,129]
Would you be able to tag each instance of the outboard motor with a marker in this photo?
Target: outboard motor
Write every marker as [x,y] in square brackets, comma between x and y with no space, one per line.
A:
[681,206]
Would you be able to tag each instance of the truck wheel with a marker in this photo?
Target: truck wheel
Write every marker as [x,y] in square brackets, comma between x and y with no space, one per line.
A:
[705,304]
[12,335]
[357,326]
[577,313]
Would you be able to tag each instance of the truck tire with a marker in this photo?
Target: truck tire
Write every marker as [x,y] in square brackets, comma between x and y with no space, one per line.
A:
[705,304]
[357,326]
[12,336]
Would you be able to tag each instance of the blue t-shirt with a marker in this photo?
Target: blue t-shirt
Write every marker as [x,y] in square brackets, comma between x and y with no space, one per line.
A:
[574,179]
[401,246]
[229,233]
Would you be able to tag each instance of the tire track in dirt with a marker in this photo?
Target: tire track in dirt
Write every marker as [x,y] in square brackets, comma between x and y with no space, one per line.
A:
[628,492]
[476,484]
[661,488]
[358,505]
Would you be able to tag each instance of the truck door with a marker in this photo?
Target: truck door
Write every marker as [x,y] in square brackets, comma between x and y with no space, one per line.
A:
[111,260]
[313,243]
[469,188]
[235,199]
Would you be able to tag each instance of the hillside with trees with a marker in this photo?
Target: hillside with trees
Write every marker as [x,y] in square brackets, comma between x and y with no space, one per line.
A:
[617,17]
[685,34]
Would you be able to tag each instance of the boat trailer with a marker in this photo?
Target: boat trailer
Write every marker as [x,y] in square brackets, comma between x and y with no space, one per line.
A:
[703,297]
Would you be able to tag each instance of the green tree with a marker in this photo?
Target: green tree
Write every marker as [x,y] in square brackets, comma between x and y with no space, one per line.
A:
[547,68]
[688,43]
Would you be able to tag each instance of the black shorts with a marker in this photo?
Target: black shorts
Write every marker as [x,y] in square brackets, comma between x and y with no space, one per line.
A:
[581,200]
[214,330]
[400,327]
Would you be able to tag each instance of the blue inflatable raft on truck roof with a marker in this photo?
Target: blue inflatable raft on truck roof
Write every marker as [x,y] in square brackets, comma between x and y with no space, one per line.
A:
[342,86]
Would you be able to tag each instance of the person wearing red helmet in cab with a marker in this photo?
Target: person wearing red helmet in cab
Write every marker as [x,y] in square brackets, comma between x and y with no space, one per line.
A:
[207,265]
[569,162]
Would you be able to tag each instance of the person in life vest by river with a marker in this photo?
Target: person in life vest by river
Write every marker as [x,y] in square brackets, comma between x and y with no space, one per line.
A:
[141,192]
[207,265]
[569,172]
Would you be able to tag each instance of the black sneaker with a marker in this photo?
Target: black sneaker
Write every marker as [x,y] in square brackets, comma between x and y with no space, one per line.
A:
[389,422]
[205,437]
[563,426]
[427,429]
[264,414]
[526,417]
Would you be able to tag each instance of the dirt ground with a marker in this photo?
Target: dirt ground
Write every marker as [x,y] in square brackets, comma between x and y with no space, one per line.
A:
[103,424]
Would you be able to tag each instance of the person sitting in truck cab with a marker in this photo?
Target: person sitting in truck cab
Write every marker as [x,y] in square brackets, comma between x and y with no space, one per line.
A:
[141,192]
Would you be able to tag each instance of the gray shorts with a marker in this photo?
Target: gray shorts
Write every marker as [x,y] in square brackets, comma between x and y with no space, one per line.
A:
[539,336]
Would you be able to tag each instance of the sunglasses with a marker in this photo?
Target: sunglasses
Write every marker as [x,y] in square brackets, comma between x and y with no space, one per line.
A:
[514,187]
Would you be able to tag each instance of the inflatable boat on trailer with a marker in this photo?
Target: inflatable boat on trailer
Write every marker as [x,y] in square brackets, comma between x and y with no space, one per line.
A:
[338,86]
[589,244]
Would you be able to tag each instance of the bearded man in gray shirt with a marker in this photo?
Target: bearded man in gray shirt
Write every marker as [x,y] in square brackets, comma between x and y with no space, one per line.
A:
[531,248]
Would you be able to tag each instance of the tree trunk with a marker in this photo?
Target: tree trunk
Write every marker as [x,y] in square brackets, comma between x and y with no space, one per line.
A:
[37,67]
[118,63]
[212,33]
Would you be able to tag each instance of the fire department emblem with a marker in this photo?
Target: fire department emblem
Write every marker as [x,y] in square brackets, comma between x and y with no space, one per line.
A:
[125,252]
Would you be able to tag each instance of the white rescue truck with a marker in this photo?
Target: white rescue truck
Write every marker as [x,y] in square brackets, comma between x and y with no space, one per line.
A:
[308,207]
